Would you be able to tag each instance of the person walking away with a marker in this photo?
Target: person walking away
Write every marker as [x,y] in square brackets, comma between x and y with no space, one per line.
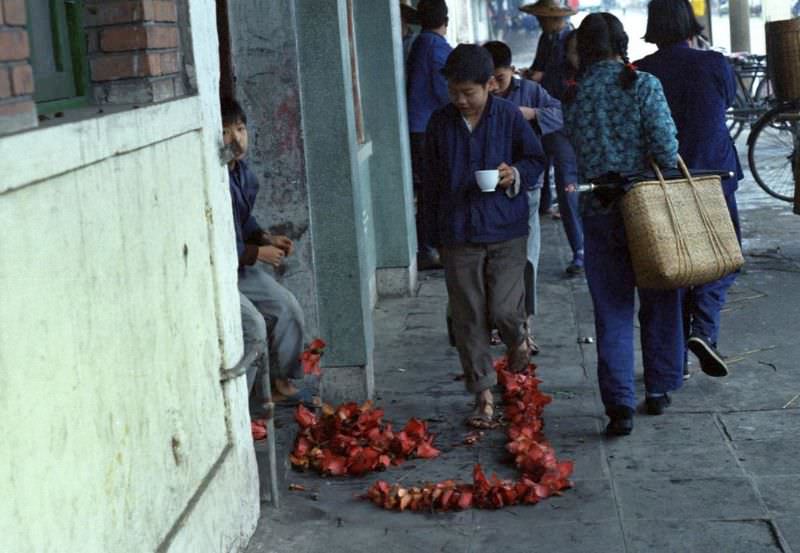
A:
[426,92]
[618,119]
[544,114]
[699,86]
[551,69]
[482,234]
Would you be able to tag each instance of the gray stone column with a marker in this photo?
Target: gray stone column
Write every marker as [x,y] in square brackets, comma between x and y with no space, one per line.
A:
[380,55]
[337,205]
[740,25]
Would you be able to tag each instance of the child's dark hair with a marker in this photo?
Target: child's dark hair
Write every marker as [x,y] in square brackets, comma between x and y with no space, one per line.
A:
[432,14]
[232,112]
[469,62]
[500,52]
[670,22]
[601,36]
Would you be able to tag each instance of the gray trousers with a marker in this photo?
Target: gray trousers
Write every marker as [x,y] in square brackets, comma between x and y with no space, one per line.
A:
[283,317]
[534,247]
[254,329]
[485,287]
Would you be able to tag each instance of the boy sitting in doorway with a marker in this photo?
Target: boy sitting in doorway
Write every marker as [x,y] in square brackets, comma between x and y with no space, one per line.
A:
[482,235]
[256,247]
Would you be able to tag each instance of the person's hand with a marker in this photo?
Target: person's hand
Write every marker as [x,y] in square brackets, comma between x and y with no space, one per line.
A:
[571,188]
[282,242]
[528,113]
[506,176]
[271,254]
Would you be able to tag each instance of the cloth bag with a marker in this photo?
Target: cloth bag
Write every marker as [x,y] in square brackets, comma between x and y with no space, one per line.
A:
[679,231]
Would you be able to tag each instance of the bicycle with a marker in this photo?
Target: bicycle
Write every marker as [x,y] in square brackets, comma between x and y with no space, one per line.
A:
[773,150]
[753,92]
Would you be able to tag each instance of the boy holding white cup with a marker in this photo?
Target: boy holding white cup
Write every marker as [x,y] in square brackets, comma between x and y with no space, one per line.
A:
[481,230]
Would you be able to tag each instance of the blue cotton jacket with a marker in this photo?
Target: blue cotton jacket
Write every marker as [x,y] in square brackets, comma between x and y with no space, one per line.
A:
[426,86]
[454,208]
[618,131]
[700,87]
[244,189]
[550,58]
[522,92]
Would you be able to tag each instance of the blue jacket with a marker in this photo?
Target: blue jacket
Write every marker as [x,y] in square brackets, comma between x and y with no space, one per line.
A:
[551,55]
[426,86]
[454,208]
[244,189]
[699,86]
[522,92]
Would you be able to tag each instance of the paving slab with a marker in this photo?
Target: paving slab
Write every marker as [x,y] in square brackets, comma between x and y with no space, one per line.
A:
[675,428]
[573,537]
[689,499]
[789,528]
[762,425]
[700,536]
[674,460]
[770,457]
[781,494]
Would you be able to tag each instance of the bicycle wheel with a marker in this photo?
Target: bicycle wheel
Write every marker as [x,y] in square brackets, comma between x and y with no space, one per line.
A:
[773,149]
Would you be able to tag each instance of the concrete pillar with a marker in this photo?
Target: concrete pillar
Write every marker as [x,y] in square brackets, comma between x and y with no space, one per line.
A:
[380,56]
[740,25]
[334,179]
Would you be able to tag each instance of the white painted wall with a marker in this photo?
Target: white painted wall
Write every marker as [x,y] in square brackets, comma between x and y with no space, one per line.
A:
[118,309]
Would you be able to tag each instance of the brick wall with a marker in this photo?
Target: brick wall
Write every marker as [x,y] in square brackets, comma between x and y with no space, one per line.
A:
[134,53]
[17,110]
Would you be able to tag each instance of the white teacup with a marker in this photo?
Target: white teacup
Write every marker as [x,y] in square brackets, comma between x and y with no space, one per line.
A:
[487,180]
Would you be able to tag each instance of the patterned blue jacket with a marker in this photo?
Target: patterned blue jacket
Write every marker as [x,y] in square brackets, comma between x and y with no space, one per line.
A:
[615,130]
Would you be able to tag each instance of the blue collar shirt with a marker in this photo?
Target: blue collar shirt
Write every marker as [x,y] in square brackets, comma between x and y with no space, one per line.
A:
[455,209]
[426,86]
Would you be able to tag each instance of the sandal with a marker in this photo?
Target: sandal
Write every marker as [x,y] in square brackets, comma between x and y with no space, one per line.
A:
[519,357]
[483,415]
[533,347]
[303,396]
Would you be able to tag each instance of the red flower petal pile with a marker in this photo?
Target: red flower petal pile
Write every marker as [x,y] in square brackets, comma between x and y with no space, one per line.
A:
[310,357]
[352,440]
[542,475]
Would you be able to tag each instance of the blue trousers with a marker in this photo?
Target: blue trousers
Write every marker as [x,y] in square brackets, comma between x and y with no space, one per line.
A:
[703,304]
[560,153]
[609,273]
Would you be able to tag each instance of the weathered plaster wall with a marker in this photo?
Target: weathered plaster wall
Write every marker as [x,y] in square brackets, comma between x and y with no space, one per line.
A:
[118,308]
[264,55]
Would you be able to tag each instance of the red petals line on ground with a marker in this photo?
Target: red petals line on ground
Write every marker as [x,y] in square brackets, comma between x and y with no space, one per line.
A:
[542,475]
[310,357]
[353,440]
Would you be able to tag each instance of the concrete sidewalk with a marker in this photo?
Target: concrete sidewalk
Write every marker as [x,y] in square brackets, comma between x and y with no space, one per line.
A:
[719,472]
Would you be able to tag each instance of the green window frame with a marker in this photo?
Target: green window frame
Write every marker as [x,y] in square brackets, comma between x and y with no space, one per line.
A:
[58,54]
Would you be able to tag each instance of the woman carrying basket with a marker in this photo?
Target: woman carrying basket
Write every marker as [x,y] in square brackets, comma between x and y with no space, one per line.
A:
[699,86]
[617,120]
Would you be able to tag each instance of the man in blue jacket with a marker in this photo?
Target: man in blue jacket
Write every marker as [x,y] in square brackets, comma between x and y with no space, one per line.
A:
[482,235]
[427,92]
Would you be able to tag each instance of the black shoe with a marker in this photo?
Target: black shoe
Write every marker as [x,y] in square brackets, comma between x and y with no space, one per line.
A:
[573,269]
[711,361]
[655,405]
[430,262]
[620,421]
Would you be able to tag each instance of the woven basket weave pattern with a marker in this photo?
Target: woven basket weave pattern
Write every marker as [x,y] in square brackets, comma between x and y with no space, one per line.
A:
[783,53]
[680,233]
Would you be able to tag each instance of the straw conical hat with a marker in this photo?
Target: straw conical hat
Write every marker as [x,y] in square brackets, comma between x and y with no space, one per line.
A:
[547,8]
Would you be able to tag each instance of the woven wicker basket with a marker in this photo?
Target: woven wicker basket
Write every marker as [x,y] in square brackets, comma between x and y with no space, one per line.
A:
[783,57]
[680,231]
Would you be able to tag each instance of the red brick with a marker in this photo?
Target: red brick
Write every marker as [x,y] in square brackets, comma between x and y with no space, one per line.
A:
[138,37]
[14,45]
[15,108]
[169,63]
[162,37]
[14,12]
[165,10]
[92,40]
[22,79]
[5,83]
[125,66]
[112,13]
